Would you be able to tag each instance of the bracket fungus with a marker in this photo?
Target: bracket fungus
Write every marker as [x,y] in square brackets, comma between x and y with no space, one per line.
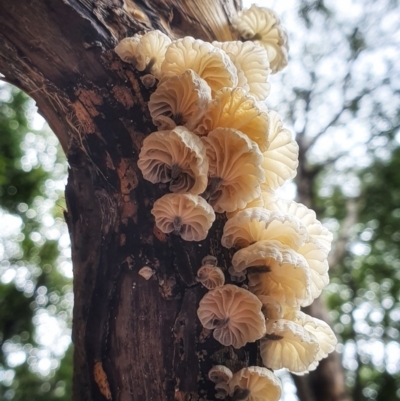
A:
[179,100]
[210,63]
[176,156]
[255,384]
[234,169]
[234,314]
[210,276]
[189,216]
[126,49]
[262,26]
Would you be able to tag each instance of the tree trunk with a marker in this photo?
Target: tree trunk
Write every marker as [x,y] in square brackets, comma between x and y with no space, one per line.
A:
[134,339]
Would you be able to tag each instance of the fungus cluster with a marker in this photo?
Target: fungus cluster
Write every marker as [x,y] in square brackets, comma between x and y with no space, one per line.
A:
[219,149]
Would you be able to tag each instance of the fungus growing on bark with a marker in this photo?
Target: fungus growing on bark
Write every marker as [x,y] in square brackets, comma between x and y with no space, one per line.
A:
[276,270]
[233,108]
[281,158]
[209,260]
[175,156]
[210,276]
[234,314]
[288,345]
[189,216]
[146,272]
[220,374]
[251,61]
[210,63]
[179,100]
[262,26]
[127,49]
[235,174]
[255,384]
[150,52]
[256,224]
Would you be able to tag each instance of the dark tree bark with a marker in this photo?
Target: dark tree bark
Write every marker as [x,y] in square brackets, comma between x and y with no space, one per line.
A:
[134,339]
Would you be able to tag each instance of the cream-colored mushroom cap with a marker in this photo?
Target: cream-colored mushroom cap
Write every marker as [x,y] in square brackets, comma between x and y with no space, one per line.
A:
[177,156]
[234,314]
[151,52]
[288,345]
[209,260]
[252,60]
[263,26]
[235,174]
[257,224]
[233,108]
[210,276]
[210,63]
[220,374]
[276,270]
[281,159]
[271,308]
[255,384]
[190,216]
[127,49]
[179,100]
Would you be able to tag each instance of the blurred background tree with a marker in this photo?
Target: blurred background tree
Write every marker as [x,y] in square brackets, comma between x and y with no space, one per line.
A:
[340,96]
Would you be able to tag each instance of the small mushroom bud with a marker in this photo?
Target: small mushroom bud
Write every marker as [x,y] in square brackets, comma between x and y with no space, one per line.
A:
[222,390]
[220,374]
[209,260]
[237,277]
[146,272]
[210,276]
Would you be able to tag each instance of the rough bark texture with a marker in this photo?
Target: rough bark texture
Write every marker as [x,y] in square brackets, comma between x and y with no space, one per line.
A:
[134,339]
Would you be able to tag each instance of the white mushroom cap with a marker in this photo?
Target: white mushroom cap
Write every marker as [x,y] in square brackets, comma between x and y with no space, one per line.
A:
[288,345]
[234,314]
[179,100]
[235,174]
[233,108]
[177,156]
[255,224]
[325,336]
[190,216]
[127,49]
[256,202]
[281,159]
[220,374]
[261,384]
[252,61]
[210,63]
[210,276]
[276,270]
[151,51]
[262,26]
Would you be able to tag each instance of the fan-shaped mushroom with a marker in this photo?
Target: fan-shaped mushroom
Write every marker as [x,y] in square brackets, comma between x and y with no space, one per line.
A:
[263,26]
[151,52]
[235,174]
[179,100]
[210,276]
[288,345]
[190,216]
[251,60]
[175,156]
[220,374]
[255,224]
[281,158]
[127,49]
[276,270]
[234,314]
[233,108]
[210,63]
[255,384]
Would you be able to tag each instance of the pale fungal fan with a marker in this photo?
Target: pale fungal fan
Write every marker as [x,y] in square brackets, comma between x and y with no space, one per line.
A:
[255,384]
[151,52]
[146,272]
[275,270]
[179,100]
[235,174]
[251,61]
[234,314]
[281,158]
[262,26]
[189,216]
[210,63]
[210,276]
[220,374]
[288,345]
[127,49]
[175,156]
[233,108]
[256,224]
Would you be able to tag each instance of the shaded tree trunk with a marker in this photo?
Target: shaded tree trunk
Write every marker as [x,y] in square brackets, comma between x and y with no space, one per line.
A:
[134,339]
